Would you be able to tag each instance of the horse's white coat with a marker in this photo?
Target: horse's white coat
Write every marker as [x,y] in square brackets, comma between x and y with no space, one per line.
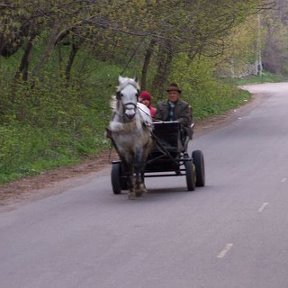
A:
[130,128]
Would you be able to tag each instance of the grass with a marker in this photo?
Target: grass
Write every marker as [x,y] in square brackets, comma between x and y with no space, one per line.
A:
[49,124]
[266,77]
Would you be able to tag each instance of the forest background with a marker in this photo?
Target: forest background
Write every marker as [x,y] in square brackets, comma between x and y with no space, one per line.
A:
[60,61]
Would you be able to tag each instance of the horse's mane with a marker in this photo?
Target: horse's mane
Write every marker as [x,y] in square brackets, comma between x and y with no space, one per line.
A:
[113,103]
[124,81]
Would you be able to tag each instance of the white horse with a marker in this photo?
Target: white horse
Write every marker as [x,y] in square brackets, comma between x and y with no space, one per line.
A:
[130,132]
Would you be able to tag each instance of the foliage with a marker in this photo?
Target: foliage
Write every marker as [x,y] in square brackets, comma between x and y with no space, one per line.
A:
[49,124]
[59,62]
[275,46]
[241,50]
[206,94]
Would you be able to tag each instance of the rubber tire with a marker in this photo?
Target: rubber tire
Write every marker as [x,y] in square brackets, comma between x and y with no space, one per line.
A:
[190,175]
[198,160]
[116,178]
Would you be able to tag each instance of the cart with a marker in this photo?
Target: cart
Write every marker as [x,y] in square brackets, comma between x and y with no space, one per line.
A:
[169,157]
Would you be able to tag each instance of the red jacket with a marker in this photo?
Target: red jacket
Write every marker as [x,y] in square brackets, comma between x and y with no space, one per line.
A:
[152,111]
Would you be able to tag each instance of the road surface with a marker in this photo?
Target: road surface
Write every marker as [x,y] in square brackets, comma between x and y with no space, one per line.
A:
[230,234]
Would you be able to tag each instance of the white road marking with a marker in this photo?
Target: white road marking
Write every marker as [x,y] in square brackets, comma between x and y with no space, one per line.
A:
[223,253]
[263,206]
[283,180]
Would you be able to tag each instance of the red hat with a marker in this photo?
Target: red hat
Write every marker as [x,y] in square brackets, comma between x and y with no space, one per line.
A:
[145,95]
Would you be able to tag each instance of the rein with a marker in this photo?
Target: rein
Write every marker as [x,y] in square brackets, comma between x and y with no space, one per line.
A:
[143,111]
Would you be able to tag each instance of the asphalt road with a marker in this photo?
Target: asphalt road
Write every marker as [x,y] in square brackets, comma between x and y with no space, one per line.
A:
[230,234]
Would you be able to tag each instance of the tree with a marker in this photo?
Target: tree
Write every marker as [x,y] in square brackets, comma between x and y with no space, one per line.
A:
[165,27]
[275,23]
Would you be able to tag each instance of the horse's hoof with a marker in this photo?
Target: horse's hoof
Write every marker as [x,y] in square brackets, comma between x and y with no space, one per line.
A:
[143,189]
[139,193]
[132,196]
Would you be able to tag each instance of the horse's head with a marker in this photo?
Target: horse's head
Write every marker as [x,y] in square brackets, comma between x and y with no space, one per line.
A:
[127,96]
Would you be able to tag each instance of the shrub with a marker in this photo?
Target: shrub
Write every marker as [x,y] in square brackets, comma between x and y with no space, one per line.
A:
[206,94]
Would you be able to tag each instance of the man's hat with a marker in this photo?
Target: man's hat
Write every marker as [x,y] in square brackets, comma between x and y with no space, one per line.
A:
[173,87]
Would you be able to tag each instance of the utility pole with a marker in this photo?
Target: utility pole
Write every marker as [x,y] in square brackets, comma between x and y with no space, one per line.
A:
[258,62]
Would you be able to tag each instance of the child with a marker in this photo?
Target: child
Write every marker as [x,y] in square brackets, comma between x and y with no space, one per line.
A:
[145,98]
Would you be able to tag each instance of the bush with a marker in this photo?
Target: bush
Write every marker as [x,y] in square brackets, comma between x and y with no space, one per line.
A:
[206,94]
[48,123]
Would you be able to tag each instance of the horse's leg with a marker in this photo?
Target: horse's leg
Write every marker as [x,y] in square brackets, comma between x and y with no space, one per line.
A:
[129,171]
[142,177]
[132,183]
[139,171]
[142,162]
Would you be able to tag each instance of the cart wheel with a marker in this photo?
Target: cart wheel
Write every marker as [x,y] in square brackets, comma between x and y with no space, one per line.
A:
[116,178]
[190,175]
[198,160]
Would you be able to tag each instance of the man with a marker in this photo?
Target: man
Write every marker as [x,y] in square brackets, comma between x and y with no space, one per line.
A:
[176,109]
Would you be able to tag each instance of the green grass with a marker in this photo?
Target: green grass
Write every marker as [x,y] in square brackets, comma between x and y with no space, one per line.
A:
[217,99]
[266,77]
[47,124]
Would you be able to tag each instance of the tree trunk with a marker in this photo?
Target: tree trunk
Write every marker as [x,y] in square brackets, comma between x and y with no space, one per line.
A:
[165,58]
[52,40]
[147,59]
[73,52]
[25,61]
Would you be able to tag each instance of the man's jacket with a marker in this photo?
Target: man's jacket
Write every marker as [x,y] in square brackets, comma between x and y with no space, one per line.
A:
[182,113]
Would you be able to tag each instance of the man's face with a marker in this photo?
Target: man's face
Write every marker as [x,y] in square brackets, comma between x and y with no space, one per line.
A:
[173,95]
